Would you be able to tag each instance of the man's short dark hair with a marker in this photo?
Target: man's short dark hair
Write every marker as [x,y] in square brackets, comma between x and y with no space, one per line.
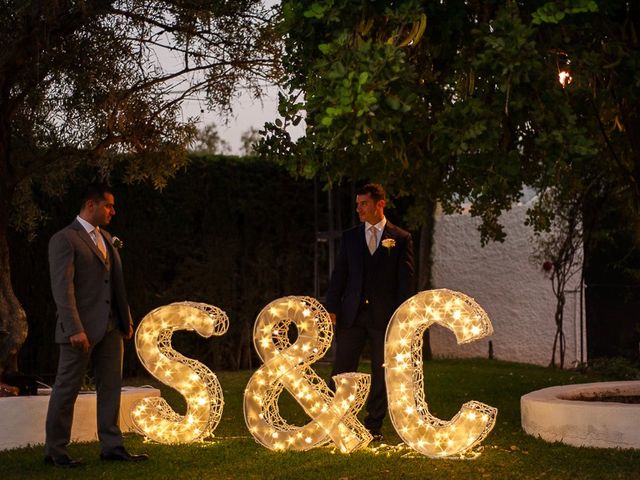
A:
[95,192]
[374,189]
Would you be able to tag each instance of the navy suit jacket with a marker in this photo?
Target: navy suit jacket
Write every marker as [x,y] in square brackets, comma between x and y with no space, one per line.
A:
[391,276]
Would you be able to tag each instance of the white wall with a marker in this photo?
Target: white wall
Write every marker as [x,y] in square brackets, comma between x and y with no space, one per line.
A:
[515,293]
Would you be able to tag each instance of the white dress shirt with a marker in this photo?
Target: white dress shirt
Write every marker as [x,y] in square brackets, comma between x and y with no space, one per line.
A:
[93,232]
[379,228]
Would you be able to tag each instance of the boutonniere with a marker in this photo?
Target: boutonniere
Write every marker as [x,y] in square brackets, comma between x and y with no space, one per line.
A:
[388,243]
[117,243]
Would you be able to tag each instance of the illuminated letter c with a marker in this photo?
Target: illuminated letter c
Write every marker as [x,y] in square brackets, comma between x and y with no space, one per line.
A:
[405,383]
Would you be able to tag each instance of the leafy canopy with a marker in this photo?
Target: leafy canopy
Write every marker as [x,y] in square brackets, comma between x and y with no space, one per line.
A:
[470,112]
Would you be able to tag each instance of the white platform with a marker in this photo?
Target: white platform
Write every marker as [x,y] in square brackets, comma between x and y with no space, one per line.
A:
[549,415]
[22,419]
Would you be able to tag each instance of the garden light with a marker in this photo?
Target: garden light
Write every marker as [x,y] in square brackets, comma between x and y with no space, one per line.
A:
[153,416]
[404,378]
[287,366]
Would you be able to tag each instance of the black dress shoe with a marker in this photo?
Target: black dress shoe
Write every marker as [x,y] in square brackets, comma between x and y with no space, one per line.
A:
[63,461]
[121,455]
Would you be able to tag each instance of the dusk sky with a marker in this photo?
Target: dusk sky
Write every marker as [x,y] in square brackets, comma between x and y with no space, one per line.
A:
[247,112]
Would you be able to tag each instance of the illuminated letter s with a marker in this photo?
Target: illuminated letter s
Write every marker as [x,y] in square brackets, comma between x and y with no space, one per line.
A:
[153,416]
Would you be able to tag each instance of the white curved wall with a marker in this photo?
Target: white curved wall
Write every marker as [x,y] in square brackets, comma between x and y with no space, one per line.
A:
[514,292]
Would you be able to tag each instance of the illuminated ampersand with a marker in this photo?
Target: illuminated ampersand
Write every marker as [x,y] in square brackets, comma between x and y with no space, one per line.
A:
[403,373]
[288,366]
[152,416]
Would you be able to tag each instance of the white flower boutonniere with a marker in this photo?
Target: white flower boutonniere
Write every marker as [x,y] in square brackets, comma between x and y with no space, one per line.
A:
[117,243]
[388,243]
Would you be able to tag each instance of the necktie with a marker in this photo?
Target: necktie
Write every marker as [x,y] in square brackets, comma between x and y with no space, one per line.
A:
[100,242]
[373,240]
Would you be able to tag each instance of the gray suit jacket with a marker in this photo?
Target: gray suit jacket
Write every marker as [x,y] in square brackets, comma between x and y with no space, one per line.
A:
[85,286]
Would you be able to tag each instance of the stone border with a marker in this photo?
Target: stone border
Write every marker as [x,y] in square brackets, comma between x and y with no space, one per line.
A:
[549,415]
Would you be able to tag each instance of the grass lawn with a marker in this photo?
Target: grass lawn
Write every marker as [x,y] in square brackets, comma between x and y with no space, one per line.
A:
[506,453]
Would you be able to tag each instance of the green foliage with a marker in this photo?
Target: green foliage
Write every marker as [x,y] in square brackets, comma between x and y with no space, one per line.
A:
[318,10]
[209,142]
[554,12]
[249,140]
[616,368]
[474,112]
[471,112]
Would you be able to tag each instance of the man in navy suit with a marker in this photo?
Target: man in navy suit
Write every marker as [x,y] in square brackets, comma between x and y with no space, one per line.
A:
[372,277]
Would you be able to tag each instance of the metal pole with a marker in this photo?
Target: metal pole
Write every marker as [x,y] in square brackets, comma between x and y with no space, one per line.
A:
[316,270]
[331,231]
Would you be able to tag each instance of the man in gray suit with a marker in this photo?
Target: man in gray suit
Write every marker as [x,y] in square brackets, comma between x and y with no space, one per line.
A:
[93,318]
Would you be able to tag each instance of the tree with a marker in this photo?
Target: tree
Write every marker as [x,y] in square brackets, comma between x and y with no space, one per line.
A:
[471,111]
[249,140]
[209,142]
[560,252]
[81,84]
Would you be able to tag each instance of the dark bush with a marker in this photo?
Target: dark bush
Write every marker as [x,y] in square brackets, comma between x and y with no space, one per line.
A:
[232,232]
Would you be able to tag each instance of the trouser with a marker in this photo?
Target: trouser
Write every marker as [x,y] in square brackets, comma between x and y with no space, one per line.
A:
[106,357]
[350,342]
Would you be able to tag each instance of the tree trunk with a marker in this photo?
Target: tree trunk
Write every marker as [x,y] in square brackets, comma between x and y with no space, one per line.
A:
[425,265]
[13,319]
[560,326]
